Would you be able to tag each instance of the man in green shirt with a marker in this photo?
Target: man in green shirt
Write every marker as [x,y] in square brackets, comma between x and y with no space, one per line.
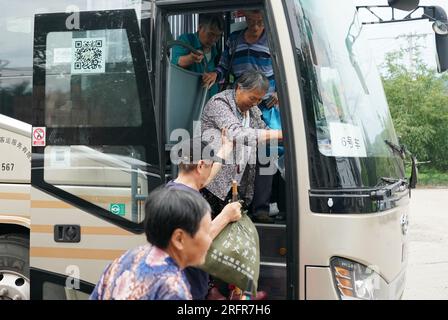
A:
[209,32]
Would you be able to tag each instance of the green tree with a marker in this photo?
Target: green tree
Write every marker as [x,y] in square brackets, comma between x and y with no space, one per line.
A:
[418,101]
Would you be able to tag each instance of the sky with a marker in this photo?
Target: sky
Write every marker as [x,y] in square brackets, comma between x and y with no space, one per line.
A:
[383,37]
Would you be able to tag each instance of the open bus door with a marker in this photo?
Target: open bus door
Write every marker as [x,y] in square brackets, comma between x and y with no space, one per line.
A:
[95,149]
[274,278]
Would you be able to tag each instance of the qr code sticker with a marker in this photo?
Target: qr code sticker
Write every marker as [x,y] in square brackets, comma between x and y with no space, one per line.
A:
[89,55]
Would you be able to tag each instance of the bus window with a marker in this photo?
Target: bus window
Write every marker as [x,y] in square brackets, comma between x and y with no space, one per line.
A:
[16,47]
[110,177]
[92,95]
[99,89]
[350,122]
[90,81]
[15,64]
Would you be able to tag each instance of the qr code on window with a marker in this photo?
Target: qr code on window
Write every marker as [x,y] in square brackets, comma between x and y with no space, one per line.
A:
[88,55]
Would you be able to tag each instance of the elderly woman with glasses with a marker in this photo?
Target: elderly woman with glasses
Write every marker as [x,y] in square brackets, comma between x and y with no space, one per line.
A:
[237,111]
[249,50]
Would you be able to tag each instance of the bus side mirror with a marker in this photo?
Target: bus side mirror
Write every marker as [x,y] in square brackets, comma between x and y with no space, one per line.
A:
[440,27]
[442,52]
[406,5]
[414,173]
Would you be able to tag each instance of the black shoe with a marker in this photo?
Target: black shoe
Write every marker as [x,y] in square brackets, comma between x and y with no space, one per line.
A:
[262,217]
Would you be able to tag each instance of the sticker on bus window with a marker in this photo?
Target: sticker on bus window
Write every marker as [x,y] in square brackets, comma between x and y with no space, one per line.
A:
[60,157]
[118,208]
[39,139]
[347,140]
[88,55]
[62,55]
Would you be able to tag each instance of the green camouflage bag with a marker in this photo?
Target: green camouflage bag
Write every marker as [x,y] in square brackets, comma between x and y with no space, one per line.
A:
[234,255]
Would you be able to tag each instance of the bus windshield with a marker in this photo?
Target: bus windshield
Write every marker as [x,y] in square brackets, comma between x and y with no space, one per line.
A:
[346,106]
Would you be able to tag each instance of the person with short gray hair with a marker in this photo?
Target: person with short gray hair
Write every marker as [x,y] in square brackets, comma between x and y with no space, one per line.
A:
[253,81]
[245,50]
[236,109]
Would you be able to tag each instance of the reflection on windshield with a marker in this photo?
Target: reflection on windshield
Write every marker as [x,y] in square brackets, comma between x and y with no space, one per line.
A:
[351,112]
[353,33]
[345,106]
[17,24]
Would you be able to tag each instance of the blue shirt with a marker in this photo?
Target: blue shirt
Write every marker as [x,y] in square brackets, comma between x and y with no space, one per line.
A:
[197,278]
[247,56]
[193,40]
[143,273]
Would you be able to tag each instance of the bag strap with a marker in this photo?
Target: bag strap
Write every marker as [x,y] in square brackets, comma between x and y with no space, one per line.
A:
[232,56]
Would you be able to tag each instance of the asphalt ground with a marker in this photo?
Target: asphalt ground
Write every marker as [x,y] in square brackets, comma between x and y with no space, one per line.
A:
[427,272]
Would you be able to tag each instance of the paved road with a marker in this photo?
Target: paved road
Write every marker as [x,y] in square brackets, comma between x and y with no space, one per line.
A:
[427,275]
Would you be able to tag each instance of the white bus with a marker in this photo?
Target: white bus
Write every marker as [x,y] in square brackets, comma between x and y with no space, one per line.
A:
[90,85]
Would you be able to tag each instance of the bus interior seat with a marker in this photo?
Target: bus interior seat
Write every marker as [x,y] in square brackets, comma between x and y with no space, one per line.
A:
[185,99]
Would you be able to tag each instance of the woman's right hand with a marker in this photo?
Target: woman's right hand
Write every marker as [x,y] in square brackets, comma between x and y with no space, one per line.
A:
[196,58]
[226,145]
[209,79]
[232,211]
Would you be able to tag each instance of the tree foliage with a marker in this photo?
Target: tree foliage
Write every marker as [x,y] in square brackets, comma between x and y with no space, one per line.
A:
[418,101]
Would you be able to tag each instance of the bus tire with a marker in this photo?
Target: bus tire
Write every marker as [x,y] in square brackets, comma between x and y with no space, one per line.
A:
[14,267]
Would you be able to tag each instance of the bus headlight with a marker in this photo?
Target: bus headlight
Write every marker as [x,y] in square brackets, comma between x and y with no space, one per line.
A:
[356,281]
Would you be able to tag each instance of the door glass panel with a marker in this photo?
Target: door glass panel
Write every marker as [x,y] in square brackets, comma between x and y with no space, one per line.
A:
[110,177]
[90,80]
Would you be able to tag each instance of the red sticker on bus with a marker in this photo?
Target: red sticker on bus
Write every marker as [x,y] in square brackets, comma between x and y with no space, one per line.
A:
[39,137]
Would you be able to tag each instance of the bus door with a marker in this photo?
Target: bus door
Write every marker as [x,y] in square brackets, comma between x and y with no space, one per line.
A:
[181,94]
[95,149]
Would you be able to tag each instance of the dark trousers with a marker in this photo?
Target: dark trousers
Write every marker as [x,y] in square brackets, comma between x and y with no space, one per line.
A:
[263,191]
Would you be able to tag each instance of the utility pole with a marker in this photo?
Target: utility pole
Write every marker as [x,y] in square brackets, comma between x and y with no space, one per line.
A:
[413,46]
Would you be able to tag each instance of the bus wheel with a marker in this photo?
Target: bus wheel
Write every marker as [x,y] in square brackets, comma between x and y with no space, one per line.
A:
[14,267]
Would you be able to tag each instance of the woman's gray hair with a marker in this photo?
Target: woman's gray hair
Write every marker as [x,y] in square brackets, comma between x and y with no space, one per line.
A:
[253,80]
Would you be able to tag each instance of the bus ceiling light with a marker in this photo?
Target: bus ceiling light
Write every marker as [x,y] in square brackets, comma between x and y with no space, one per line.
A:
[440,28]
[356,281]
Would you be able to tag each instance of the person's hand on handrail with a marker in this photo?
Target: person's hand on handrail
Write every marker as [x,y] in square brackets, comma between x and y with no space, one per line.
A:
[209,79]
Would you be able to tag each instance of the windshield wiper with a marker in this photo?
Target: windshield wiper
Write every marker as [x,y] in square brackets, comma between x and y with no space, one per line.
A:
[386,191]
[400,150]
[387,180]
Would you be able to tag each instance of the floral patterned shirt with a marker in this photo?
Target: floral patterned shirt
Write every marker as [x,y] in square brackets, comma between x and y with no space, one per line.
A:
[222,112]
[143,273]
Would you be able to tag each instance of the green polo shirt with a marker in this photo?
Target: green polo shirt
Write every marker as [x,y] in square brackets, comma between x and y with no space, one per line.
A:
[193,40]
